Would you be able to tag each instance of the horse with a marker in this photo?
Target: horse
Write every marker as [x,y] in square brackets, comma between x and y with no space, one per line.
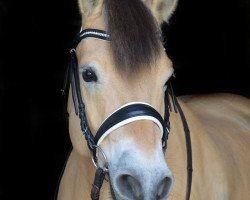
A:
[120,67]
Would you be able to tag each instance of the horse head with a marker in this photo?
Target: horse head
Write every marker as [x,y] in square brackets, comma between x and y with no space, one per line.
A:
[131,67]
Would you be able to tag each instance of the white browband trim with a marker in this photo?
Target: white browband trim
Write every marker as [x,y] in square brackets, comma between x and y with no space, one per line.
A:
[127,121]
[95,33]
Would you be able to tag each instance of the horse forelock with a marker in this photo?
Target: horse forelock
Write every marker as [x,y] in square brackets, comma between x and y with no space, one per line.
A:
[135,34]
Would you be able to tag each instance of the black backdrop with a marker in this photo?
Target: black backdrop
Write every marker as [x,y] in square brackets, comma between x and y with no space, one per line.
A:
[207,40]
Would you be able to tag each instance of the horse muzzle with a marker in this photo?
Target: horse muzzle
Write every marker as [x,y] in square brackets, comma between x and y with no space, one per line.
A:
[137,178]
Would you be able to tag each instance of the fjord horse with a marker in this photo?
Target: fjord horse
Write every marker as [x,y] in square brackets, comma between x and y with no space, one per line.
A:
[133,67]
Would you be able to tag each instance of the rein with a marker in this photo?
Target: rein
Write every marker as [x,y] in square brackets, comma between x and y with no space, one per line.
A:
[127,113]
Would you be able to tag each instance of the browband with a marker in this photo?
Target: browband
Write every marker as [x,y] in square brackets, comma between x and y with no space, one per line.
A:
[92,33]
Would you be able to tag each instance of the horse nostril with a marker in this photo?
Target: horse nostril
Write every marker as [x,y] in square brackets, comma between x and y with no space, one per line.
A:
[138,186]
[163,188]
[129,187]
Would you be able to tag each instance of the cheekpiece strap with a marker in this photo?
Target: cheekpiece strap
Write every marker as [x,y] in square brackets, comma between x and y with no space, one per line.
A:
[75,83]
[78,101]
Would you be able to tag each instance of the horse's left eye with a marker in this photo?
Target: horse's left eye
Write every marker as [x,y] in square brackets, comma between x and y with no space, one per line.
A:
[89,75]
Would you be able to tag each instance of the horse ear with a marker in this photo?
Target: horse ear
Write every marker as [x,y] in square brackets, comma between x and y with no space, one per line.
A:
[162,9]
[87,7]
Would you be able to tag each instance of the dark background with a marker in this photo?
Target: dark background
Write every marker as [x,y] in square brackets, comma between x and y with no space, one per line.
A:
[207,40]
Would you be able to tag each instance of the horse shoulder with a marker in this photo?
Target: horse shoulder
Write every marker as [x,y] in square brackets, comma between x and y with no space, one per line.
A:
[225,120]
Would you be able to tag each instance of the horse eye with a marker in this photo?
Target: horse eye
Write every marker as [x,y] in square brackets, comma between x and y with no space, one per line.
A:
[89,75]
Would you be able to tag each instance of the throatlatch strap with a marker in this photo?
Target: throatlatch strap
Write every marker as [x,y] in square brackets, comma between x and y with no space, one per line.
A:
[188,149]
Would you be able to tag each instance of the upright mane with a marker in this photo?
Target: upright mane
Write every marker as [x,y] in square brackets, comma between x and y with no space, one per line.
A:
[135,35]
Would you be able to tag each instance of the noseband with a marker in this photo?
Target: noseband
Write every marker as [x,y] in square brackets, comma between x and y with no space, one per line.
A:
[128,113]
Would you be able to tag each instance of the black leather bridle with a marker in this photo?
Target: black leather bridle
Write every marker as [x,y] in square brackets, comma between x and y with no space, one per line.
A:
[126,114]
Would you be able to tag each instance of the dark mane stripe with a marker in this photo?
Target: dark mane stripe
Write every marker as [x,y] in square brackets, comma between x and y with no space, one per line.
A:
[134,32]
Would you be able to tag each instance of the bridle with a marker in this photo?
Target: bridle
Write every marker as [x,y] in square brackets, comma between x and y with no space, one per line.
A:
[128,113]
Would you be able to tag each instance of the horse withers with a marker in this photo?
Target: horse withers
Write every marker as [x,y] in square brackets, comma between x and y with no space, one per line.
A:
[120,115]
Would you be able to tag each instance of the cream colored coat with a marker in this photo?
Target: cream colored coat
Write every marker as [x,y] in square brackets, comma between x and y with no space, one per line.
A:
[219,124]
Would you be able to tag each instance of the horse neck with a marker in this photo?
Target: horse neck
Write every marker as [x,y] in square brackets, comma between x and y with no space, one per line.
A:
[176,154]
[77,179]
